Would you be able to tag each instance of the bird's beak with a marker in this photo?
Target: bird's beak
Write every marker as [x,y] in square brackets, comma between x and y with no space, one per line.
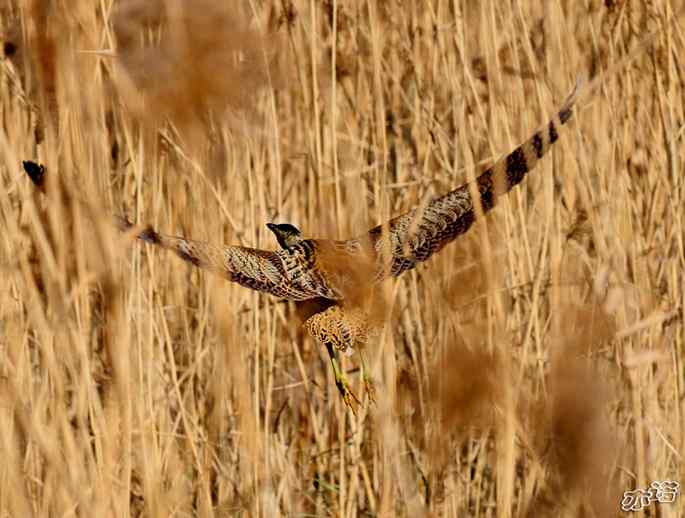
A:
[271,227]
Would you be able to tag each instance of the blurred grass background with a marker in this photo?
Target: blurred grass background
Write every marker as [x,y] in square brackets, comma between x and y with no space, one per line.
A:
[533,368]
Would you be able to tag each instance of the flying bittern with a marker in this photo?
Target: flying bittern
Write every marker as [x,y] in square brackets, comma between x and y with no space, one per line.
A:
[303,270]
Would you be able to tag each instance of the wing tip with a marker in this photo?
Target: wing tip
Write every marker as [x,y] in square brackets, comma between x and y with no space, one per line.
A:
[575,94]
[35,171]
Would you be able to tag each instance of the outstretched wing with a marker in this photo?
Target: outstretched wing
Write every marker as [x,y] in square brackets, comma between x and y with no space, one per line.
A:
[413,237]
[288,274]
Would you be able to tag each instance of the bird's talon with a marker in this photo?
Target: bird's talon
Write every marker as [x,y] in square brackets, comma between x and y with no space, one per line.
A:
[349,397]
[350,405]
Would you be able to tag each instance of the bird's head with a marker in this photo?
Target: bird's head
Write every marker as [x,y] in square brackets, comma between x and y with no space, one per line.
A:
[286,234]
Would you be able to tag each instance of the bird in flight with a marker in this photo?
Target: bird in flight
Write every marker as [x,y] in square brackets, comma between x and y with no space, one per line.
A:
[325,271]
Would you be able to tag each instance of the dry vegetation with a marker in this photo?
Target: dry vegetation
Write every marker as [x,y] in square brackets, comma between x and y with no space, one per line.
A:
[534,368]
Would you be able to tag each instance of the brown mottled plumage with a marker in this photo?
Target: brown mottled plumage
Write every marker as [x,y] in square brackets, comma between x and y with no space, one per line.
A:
[306,269]
[416,235]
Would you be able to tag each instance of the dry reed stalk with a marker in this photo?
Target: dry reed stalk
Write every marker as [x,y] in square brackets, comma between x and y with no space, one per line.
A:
[131,385]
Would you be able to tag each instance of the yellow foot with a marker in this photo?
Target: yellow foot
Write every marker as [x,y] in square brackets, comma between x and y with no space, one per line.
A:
[351,401]
[370,390]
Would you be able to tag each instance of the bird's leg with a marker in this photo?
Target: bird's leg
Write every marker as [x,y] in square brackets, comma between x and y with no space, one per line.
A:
[341,382]
[366,376]
[341,329]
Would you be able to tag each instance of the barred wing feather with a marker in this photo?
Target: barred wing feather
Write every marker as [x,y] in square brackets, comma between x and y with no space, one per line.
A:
[283,273]
[415,236]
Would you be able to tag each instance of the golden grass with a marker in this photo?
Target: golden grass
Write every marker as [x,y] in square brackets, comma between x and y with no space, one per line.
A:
[534,368]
